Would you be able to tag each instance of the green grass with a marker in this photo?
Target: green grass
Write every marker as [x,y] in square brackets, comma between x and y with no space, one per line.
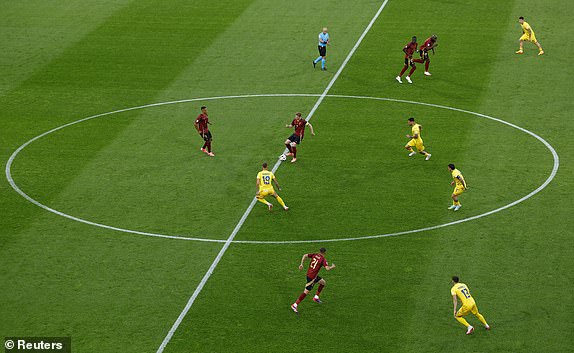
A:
[142,170]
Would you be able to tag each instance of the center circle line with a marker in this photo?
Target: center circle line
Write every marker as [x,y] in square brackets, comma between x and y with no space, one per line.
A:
[8,170]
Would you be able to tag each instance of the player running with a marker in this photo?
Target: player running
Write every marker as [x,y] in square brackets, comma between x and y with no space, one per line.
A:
[460,187]
[201,125]
[409,50]
[295,139]
[416,140]
[317,261]
[527,36]
[265,187]
[324,40]
[468,305]
[429,44]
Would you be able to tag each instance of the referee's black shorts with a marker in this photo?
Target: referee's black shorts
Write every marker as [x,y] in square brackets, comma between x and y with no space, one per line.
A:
[322,50]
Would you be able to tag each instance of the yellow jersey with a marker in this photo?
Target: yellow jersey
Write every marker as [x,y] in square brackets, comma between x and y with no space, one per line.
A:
[525,27]
[265,177]
[462,292]
[416,130]
[458,179]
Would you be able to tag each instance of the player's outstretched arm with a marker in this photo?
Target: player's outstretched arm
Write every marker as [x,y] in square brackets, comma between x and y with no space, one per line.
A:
[302,260]
[196,124]
[329,268]
[311,128]
[277,184]
[288,126]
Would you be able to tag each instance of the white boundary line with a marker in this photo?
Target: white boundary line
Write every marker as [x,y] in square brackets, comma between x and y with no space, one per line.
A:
[253,201]
[181,237]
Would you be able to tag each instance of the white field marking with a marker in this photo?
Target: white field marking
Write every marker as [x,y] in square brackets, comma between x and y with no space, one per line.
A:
[180,237]
[254,200]
[8,170]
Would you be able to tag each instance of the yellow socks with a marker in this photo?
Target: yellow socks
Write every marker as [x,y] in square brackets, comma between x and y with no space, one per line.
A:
[462,321]
[456,203]
[280,200]
[481,318]
[262,200]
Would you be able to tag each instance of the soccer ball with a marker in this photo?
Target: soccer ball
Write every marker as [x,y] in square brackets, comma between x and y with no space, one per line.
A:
[283,157]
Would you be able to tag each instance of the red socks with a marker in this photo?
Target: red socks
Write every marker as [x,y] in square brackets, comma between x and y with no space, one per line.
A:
[427,66]
[294,150]
[208,143]
[403,70]
[301,297]
[412,70]
[288,145]
[320,289]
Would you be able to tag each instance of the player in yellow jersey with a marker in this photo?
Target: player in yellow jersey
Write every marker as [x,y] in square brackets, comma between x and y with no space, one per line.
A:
[528,36]
[459,187]
[468,305]
[416,140]
[265,187]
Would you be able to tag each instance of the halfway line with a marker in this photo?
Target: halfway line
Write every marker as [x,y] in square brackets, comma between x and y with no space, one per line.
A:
[254,200]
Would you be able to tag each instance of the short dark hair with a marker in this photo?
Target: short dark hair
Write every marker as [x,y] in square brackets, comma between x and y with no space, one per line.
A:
[322,250]
[414,38]
[264,165]
[298,114]
[451,166]
[411,119]
[520,18]
[203,107]
[455,279]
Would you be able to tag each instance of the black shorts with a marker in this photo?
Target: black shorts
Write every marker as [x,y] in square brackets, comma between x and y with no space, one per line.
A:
[295,138]
[206,136]
[424,54]
[409,61]
[311,282]
[322,50]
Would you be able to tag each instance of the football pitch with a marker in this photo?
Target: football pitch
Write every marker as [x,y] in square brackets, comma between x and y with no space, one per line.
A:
[117,231]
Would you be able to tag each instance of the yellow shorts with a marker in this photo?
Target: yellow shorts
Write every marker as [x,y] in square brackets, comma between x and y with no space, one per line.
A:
[458,190]
[265,192]
[467,309]
[527,38]
[418,143]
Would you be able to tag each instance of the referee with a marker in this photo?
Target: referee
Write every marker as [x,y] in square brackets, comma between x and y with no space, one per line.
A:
[323,41]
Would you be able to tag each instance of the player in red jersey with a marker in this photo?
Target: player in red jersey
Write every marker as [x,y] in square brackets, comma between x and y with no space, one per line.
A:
[428,45]
[409,50]
[317,261]
[201,125]
[291,143]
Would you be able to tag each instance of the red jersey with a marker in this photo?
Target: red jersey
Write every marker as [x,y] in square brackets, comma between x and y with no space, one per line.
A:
[317,261]
[299,125]
[202,121]
[410,48]
[427,44]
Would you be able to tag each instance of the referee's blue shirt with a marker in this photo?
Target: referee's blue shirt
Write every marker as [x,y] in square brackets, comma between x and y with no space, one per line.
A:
[324,37]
